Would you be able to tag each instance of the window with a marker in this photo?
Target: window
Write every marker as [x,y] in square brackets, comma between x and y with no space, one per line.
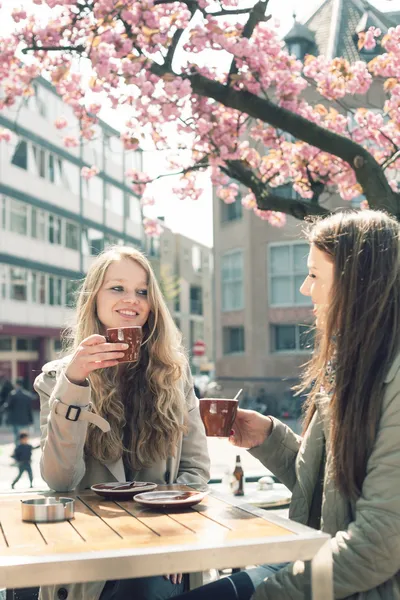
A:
[292,338]
[20,156]
[18,217]
[93,242]
[27,344]
[5,343]
[55,228]
[40,100]
[38,224]
[196,259]
[52,168]
[55,291]
[3,213]
[42,289]
[287,271]
[232,280]
[71,288]
[71,235]
[233,340]
[196,300]
[177,302]
[39,155]
[33,284]
[18,284]
[3,281]
[57,345]
[233,211]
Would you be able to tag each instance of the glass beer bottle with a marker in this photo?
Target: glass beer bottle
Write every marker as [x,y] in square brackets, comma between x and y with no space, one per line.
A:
[238,478]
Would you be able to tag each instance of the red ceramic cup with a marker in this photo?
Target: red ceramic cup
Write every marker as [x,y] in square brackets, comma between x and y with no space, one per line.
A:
[218,415]
[129,335]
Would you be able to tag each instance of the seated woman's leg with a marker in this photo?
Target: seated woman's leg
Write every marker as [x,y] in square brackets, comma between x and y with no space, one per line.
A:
[141,588]
[239,586]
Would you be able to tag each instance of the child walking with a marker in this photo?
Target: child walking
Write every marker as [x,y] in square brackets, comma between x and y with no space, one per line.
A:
[23,455]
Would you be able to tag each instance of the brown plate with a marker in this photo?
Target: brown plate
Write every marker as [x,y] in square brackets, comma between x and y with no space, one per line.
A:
[122,490]
[170,499]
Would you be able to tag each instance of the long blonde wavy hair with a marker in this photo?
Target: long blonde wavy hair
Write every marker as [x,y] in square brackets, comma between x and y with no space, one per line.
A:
[144,402]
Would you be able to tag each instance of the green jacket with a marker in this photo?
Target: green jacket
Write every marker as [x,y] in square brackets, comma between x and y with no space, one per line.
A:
[365,535]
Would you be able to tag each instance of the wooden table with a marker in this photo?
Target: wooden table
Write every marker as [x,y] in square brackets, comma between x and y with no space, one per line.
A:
[116,540]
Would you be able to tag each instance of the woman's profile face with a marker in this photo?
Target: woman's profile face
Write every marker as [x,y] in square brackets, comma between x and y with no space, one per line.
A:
[318,283]
[122,299]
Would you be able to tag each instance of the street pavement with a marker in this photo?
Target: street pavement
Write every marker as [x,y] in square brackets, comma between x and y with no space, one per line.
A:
[222,453]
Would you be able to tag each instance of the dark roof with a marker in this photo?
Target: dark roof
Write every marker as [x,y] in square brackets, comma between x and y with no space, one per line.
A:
[336,24]
[300,31]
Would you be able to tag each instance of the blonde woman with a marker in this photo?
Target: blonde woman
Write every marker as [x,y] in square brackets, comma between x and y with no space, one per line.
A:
[103,421]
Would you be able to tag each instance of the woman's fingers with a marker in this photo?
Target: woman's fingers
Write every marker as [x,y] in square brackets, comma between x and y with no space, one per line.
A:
[103,356]
[106,347]
[94,339]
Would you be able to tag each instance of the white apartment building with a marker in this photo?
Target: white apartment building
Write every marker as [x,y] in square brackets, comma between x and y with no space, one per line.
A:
[52,223]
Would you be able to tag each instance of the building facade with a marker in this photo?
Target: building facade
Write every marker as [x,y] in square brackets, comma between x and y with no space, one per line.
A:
[185,271]
[53,222]
[263,323]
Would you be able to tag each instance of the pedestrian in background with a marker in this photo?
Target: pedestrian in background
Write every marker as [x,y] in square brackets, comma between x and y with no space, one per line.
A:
[19,409]
[23,455]
[5,388]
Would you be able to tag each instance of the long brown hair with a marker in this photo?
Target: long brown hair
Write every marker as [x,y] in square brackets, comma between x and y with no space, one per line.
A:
[361,336]
[147,397]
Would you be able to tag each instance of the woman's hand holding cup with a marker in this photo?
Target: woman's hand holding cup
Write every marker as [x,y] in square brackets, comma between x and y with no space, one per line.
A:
[250,429]
[93,353]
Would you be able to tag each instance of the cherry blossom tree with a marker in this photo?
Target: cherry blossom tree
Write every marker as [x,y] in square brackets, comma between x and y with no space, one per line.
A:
[218,77]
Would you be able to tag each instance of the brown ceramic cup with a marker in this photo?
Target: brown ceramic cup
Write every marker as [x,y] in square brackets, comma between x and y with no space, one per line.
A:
[129,335]
[218,415]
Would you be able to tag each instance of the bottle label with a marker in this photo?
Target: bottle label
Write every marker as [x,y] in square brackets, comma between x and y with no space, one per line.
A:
[235,485]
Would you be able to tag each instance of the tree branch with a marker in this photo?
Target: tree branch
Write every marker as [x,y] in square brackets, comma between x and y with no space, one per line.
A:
[269,200]
[368,172]
[256,16]
[389,161]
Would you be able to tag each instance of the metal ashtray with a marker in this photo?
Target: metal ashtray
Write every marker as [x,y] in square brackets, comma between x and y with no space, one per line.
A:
[47,510]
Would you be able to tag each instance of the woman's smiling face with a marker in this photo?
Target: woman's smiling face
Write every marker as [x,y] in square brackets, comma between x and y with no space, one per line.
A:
[122,299]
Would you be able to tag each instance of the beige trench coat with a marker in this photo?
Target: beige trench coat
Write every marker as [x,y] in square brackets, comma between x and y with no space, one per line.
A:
[64,467]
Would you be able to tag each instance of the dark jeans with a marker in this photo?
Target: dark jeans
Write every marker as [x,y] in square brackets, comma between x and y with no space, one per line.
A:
[141,588]
[23,466]
[239,586]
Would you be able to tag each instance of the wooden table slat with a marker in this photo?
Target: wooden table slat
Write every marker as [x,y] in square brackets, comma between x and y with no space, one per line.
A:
[159,522]
[3,543]
[199,523]
[65,530]
[123,523]
[17,532]
[88,524]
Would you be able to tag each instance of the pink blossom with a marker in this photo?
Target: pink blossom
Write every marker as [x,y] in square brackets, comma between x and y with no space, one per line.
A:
[89,172]
[152,227]
[60,123]
[249,201]
[164,111]
[367,39]
[18,14]
[5,135]
[129,141]
[70,141]
[147,201]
